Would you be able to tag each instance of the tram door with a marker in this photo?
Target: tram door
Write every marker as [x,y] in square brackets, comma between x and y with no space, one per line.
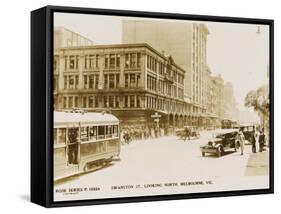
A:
[73,145]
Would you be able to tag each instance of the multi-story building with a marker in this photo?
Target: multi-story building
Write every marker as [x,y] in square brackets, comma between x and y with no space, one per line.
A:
[230,106]
[133,81]
[186,42]
[66,38]
[221,101]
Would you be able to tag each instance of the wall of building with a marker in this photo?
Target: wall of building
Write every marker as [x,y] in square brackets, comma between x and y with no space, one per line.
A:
[186,42]
[119,78]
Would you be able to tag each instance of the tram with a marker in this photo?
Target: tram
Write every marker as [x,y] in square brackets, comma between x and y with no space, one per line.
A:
[228,124]
[84,142]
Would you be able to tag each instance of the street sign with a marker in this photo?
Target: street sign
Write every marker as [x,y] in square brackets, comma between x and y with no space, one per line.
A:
[156,115]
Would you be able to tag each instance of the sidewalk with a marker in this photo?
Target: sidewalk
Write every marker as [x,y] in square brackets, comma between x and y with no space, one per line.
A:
[258,164]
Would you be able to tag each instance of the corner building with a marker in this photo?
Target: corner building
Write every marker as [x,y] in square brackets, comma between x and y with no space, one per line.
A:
[133,81]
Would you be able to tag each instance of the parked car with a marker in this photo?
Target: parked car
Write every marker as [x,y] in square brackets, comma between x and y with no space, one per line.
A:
[221,142]
[188,132]
[248,131]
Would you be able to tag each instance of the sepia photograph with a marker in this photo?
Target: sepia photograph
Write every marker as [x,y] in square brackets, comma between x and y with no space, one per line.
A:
[148,106]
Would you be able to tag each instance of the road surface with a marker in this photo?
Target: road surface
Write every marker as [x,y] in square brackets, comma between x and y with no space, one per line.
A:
[166,158]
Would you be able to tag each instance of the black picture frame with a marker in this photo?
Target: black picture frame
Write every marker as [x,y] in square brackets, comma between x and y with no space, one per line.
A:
[42,104]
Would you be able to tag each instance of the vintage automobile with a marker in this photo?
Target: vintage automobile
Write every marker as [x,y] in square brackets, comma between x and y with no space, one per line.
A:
[248,131]
[221,142]
[188,132]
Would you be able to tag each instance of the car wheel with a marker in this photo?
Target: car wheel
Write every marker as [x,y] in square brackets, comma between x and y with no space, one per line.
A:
[203,154]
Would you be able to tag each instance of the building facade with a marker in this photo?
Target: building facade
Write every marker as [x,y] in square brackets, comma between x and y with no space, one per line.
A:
[133,81]
[186,42]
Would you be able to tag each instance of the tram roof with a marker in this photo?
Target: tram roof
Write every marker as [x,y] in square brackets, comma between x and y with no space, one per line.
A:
[61,118]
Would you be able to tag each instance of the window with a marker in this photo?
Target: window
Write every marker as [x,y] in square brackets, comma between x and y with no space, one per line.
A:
[132,101]
[138,101]
[101,132]
[117,101]
[115,131]
[71,62]
[106,61]
[117,80]
[112,61]
[111,101]
[108,131]
[71,82]
[105,81]
[96,102]
[126,101]
[93,132]
[126,80]
[86,59]
[138,60]
[127,62]
[111,80]
[97,61]
[84,134]
[85,81]
[105,103]
[70,102]
[84,102]
[76,101]
[61,135]
[65,82]
[91,81]
[138,81]
[91,101]
[118,61]
[97,81]
[76,81]
[92,61]
[133,61]
[132,81]
[64,102]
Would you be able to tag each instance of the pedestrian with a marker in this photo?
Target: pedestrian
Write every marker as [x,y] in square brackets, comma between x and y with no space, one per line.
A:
[241,140]
[261,140]
[186,133]
[254,139]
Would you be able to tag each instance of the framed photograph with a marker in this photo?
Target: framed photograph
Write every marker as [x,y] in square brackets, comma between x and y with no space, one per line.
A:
[132,106]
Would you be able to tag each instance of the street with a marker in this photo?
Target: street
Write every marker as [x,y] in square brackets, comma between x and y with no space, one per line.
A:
[170,158]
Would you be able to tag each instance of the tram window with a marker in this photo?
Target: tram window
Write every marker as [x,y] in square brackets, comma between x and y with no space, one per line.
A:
[61,135]
[55,136]
[115,131]
[84,134]
[93,132]
[109,131]
[101,132]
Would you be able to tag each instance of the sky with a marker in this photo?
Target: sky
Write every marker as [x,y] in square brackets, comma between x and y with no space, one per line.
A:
[236,51]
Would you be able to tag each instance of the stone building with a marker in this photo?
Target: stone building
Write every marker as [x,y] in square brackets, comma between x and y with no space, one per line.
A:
[186,42]
[133,81]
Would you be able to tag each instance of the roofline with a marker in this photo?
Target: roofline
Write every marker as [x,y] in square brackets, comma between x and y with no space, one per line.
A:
[130,45]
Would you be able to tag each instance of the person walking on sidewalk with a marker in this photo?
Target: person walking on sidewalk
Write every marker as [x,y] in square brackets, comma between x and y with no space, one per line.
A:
[241,140]
[261,140]
[254,139]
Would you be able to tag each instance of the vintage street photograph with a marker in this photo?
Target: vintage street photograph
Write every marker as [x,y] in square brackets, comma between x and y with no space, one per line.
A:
[146,106]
